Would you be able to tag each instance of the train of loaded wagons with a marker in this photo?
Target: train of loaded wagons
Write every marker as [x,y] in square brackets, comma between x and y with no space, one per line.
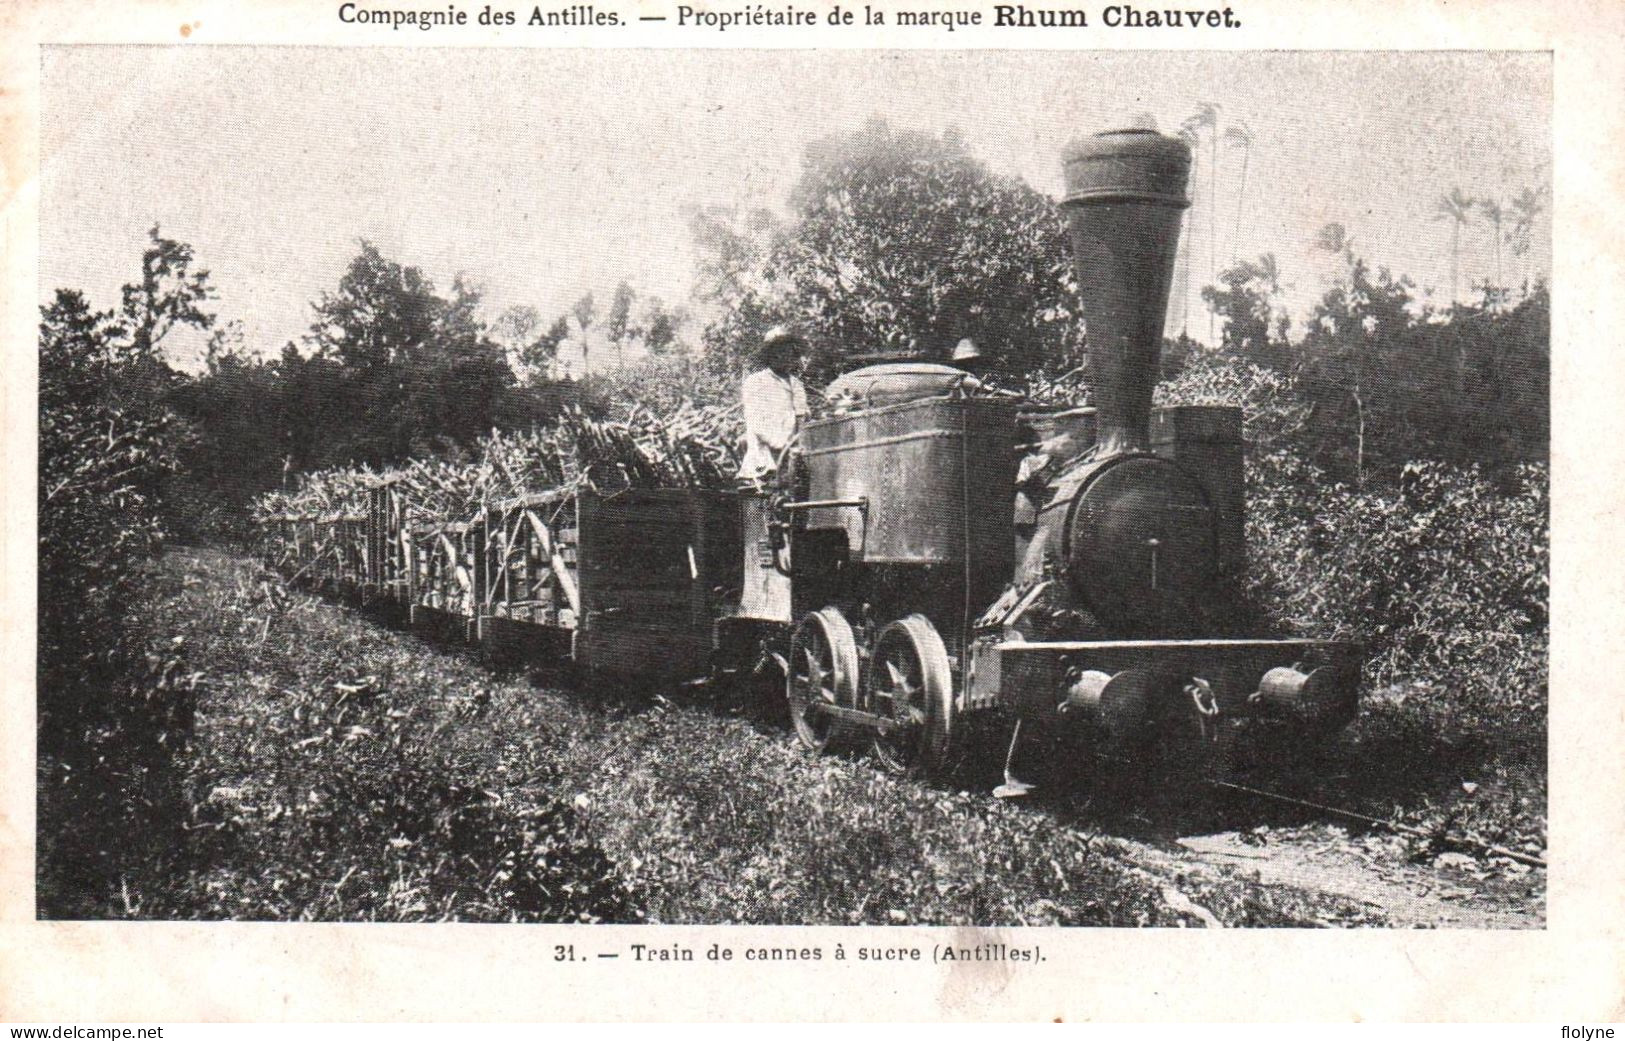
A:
[918,575]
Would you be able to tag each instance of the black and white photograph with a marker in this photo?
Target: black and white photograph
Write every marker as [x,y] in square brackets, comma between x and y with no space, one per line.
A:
[975,488]
[790,512]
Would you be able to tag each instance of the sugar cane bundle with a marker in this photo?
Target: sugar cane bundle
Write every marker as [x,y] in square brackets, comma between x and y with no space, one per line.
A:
[687,447]
[321,493]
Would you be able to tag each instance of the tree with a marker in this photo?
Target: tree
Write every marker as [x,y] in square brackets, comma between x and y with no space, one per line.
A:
[76,343]
[1338,345]
[544,350]
[515,329]
[617,326]
[904,243]
[456,394]
[585,309]
[383,314]
[660,327]
[1495,215]
[1240,137]
[1207,118]
[1334,238]
[227,345]
[169,294]
[731,247]
[240,412]
[531,352]
[1269,273]
[1526,209]
[414,368]
[1457,208]
[1247,305]
[1391,384]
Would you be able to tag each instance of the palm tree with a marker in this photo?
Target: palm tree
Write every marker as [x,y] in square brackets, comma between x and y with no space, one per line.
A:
[585,310]
[1492,211]
[1334,238]
[1207,117]
[1268,273]
[1191,139]
[1269,270]
[1457,208]
[1526,209]
[1239,136]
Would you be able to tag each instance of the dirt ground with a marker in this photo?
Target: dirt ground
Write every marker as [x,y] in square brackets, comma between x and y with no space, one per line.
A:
[1451,891]
[1392,878]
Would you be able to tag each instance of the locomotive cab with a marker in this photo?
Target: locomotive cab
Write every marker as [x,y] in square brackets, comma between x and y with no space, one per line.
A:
[904,535]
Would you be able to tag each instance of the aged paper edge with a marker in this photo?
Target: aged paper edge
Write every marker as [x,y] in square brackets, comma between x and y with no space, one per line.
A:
[1574,968]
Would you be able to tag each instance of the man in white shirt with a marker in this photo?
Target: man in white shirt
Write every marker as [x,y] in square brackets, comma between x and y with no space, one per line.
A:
[775,404]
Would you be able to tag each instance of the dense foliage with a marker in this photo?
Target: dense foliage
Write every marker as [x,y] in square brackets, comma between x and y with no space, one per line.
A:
[1390,380]
[114,705]
[1442,573]
[391,370]
[902,242]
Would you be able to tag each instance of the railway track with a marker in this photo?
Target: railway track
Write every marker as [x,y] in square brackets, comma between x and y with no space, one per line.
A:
[1446,840]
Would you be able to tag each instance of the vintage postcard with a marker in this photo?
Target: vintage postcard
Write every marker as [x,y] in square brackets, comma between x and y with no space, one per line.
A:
[811,511]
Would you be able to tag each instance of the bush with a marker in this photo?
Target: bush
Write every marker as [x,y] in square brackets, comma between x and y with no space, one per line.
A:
[1444,577]
[1443,574]
[114,705]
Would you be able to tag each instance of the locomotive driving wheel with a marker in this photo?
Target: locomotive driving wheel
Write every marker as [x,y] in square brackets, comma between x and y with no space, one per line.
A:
[823,673]
[911,683]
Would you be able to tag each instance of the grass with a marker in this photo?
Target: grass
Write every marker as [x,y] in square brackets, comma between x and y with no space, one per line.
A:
[344,771]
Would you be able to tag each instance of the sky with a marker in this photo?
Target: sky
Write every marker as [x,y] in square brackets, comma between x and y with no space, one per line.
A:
[542,174]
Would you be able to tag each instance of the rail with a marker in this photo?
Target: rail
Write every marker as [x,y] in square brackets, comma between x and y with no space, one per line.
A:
[1455,841]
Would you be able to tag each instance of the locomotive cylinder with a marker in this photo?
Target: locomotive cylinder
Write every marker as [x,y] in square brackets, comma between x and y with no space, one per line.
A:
[1125,193]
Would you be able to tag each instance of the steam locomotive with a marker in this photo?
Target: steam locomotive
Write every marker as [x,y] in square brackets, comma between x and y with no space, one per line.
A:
[946,555]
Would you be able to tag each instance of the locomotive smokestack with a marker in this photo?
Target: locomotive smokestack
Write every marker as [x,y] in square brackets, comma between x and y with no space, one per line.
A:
[1124,193]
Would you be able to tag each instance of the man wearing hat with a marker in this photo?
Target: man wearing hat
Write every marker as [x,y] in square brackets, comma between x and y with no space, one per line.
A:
[775,404]
[968,358]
